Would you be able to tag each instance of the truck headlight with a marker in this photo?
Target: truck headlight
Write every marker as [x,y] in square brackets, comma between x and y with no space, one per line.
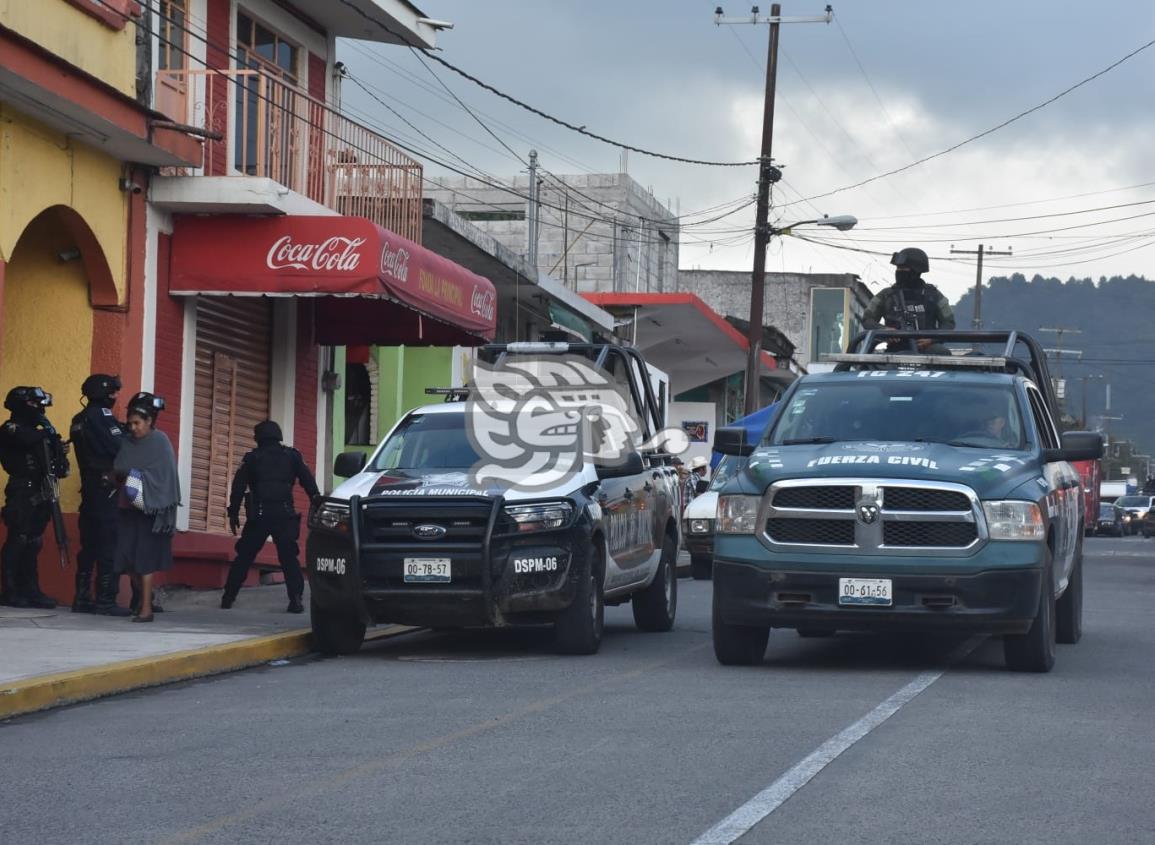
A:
[331,516]
[738,514]
[700,526]
[541,516]
[1014,520]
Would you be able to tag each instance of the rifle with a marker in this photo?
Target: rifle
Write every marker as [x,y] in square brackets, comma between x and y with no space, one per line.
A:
[906,321]
[51,494]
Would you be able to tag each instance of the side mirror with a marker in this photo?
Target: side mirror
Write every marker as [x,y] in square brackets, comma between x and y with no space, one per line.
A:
[732,441]
[631,464]
[1077,446]
[349,464]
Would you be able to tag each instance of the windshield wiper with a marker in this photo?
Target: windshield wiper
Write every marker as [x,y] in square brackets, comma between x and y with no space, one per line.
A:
[805,441]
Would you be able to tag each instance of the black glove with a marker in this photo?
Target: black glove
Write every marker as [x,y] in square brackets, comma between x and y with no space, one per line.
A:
[234,522]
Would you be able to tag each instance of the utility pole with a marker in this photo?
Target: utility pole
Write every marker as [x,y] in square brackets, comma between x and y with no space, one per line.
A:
[531,217]
[1059,331]
[977,322]
[1084,379]
[767,175]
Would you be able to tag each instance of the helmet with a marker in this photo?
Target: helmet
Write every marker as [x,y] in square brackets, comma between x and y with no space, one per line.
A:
[19,397]
[267,430]
[146,404]
[911,257]
[99,387]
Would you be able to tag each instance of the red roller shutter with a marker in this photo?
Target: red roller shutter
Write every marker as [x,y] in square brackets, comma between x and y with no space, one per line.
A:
[233,374]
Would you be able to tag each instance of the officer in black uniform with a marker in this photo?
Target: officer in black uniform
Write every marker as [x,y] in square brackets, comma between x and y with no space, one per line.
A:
[911,302]
[97,436]
[27,509]
[268,473]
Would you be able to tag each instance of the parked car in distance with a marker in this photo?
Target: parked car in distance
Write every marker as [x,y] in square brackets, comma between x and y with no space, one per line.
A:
[1111,520]
[1148,524]
[698,519]
[1137,506]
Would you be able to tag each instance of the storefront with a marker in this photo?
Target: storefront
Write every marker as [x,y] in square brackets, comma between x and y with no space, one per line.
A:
[261,303]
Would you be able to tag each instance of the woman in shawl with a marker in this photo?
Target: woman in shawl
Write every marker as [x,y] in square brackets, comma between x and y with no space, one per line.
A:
[150,494]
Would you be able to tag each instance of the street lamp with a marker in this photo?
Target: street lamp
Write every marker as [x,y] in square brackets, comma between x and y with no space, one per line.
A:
[841,222]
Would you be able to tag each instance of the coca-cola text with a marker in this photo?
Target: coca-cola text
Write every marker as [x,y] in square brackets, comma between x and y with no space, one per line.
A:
[335,253]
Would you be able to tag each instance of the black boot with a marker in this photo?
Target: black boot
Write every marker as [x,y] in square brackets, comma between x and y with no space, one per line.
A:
[83,602]
[31,590]
[227,599]
[295,605]
[10,594]
[107,586]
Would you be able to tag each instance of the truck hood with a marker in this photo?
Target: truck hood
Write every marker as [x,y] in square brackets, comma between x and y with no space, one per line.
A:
[447,482]
[991,473]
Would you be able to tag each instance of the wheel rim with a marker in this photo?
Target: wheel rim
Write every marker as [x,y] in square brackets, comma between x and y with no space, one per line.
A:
[667,585]
[594,601]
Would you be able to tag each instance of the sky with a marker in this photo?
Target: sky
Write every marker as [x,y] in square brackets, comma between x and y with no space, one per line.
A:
[889,82]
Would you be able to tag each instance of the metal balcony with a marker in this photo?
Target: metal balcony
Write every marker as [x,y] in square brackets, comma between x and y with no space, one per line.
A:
[272,129]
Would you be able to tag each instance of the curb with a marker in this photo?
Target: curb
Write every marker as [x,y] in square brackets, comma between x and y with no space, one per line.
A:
[45,692]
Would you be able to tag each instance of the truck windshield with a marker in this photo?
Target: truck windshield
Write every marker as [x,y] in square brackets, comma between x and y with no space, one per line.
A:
[894,408]
[1133,501]
[427,441]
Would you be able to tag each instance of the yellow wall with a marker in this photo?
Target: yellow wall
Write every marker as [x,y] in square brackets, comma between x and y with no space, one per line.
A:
[40,168]
[47,327]
[77,38]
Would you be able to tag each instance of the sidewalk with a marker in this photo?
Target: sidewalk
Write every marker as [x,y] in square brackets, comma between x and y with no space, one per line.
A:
[54,657]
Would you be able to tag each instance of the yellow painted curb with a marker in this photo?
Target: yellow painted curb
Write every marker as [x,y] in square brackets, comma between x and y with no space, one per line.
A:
[46,691]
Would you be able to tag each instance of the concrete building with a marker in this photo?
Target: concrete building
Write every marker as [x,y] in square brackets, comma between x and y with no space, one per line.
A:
[818,312]
[598,233]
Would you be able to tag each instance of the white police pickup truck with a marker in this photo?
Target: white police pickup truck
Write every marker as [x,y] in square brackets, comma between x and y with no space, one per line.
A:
[462,518]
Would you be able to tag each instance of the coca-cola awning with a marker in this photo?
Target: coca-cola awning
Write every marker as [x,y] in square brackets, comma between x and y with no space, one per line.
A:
[373,287]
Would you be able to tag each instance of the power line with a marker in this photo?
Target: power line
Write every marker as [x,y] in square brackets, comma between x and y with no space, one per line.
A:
[545,115]
[916,228]
[986,132]
[1016,204]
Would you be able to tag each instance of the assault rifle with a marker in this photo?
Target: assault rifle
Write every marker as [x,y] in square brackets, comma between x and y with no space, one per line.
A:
[905,320]
[51,495]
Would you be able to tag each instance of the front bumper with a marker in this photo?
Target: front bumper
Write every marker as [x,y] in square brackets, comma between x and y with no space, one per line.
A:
[993,602]
[508,579]
[698,544]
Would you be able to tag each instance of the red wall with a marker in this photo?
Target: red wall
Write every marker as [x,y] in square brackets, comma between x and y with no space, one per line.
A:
[217,29]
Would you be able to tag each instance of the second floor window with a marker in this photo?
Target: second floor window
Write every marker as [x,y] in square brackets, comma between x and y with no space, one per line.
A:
[260,48]
[173,34]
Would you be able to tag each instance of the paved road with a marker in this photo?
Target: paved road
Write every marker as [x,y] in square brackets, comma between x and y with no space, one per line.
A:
[490,738]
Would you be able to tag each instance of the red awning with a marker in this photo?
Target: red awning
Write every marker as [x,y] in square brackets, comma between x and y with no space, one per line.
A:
[375,287]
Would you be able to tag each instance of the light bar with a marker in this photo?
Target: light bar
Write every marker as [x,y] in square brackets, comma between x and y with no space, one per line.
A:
[532,346]
[913,360]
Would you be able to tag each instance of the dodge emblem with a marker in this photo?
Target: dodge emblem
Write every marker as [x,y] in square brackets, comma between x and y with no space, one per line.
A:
[868,513]
[429,532]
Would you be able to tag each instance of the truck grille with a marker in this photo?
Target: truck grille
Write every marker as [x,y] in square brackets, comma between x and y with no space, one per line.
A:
[825,532]
[874,516]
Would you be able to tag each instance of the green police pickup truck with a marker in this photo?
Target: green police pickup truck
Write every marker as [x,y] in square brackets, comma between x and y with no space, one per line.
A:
[907,492]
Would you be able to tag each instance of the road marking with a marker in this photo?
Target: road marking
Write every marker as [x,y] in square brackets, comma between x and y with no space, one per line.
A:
[740,822]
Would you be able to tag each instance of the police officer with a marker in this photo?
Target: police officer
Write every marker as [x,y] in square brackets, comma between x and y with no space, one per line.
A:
[97,436]
[27,506]
[268,473]
[926,307]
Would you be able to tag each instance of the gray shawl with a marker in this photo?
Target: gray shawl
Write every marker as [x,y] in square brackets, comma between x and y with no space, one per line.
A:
[152,456]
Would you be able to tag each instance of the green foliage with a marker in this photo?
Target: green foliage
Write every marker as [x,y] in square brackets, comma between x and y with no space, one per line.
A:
[1117,318]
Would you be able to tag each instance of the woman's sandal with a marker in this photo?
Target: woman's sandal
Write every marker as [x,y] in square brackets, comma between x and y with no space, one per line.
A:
[148,618]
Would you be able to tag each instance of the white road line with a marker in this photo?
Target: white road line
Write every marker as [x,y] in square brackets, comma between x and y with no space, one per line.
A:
[739,822]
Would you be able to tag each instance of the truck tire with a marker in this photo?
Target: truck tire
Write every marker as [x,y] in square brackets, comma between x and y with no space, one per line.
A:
[1069,609]
[738,645]
[656,605]
[578,630]
[334,633]
[701,567]
[1034,651]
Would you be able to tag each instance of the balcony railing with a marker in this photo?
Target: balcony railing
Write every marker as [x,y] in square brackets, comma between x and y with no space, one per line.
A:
[274,129]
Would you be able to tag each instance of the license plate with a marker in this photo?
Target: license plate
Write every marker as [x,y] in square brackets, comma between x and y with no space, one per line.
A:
[427,570]
[874,591]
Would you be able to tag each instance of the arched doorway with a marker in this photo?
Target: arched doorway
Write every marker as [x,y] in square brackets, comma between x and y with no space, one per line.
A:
[57,268]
